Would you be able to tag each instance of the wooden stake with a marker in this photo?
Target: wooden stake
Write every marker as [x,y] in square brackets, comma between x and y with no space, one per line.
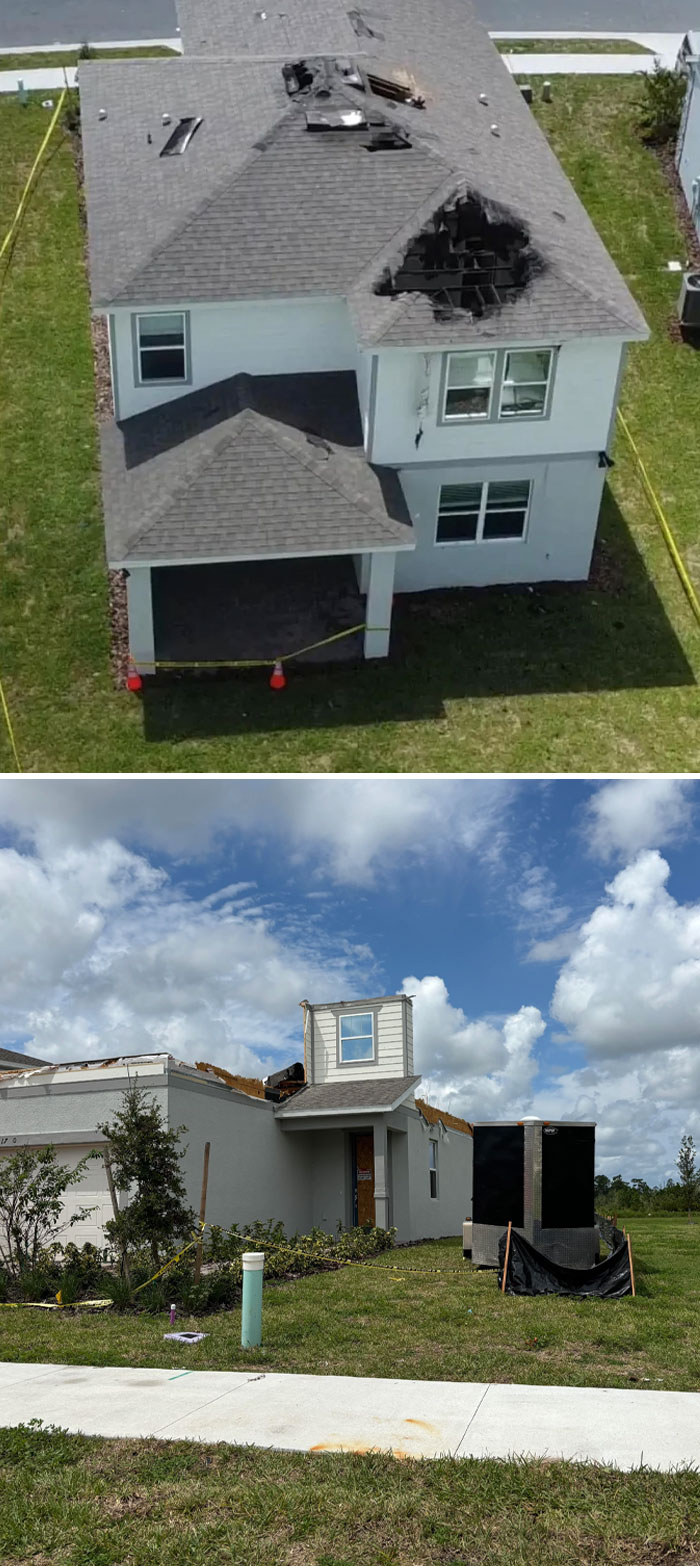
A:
[629,1253]
[505,1262]
[115,1210]
[202,1212]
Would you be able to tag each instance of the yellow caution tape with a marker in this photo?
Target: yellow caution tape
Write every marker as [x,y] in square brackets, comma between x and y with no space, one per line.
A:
[8,721]
[25,193]
[663,521]
[249,663]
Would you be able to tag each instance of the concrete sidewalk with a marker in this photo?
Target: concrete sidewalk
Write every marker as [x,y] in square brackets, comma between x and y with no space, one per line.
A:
[354,1413]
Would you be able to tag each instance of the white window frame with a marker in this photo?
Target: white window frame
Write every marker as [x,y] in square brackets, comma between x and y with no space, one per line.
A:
[470,543]
[166,380]
[357,1060]
[433,1167]
[468,418]
[526,413]
[495,414]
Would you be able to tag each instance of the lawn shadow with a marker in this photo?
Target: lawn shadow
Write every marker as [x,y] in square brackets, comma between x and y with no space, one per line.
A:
[609,634]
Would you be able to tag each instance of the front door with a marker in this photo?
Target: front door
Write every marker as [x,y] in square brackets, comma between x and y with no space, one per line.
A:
[363,1177]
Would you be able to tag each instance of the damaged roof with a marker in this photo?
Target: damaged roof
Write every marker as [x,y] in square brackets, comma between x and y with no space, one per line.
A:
[267,464]
[260,207]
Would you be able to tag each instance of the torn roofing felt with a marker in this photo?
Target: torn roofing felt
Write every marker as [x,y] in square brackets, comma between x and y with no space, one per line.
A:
[259,207]
[268,465]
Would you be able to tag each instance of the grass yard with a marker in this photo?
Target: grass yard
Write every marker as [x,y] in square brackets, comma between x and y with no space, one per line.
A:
[453,1325]
[595,678]
[49,60]
[74,1501]
[589,45]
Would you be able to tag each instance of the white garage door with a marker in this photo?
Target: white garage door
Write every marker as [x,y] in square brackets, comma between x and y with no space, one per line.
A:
[92,1191]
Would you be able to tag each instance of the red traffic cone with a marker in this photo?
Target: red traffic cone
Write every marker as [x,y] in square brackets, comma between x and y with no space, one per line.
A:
[133,679]
[278,678]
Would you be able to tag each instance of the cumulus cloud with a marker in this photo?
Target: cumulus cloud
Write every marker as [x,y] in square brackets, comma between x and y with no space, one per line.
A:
[631,814]
[483,1069]
[103,954]
[349,828]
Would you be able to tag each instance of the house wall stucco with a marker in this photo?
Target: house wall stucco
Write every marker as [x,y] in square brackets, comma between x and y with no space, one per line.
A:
[277,337]
[432,1217]
[582,402]
[561,528]
[688,150]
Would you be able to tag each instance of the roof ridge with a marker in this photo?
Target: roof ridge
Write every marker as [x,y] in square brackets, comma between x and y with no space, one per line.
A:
[278,433]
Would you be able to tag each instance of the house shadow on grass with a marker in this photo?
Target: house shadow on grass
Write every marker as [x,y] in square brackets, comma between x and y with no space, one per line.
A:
[608,634]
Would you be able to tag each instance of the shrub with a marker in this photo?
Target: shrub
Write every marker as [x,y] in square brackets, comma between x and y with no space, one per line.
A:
[660,104]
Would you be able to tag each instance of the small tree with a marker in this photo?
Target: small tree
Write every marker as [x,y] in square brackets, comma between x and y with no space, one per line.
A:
[660,105]
[145,1158]
[32,1190]
[689,1177]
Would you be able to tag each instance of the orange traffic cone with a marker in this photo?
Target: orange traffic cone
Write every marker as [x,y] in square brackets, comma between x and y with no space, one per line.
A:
[278,678]
[133,679]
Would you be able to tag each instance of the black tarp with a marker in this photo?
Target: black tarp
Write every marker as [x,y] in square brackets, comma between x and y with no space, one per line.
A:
[529,1272]
[567,1176]
[498,1174]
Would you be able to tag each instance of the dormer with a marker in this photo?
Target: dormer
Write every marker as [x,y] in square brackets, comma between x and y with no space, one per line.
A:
[359,1040]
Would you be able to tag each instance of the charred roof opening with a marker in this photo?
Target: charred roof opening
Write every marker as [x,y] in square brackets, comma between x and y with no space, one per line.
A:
[335,119]
[298,77]
[179,140]
[471,256]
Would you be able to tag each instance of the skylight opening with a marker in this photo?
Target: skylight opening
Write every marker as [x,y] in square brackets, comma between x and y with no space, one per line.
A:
[179,140]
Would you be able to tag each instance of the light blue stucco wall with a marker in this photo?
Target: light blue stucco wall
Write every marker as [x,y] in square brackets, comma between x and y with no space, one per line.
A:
[688,149]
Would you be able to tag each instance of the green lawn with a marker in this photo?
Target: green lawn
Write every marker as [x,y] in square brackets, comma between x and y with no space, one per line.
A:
[601,677]
[387,1320]
[51,59]
[74,1501]
[587,45]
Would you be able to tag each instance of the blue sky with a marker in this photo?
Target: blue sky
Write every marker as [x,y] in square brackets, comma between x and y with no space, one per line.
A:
[550,932]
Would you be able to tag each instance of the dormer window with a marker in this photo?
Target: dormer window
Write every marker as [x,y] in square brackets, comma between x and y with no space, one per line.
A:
[356,1041]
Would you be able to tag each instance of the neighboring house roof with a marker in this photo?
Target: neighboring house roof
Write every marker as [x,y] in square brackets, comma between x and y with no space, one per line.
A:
[266,464]
[372,1095]
[259,207]
[15,1057]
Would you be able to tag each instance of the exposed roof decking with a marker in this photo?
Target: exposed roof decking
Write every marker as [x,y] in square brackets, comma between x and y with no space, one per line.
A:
[236,456]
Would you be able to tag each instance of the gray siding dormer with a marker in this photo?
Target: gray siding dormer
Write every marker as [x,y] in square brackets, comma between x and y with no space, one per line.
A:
[360,1039]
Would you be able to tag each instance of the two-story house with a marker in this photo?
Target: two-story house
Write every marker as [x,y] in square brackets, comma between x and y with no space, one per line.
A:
[350,1146]
[364,338]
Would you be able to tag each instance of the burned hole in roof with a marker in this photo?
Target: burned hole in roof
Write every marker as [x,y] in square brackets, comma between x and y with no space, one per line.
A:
[470,256]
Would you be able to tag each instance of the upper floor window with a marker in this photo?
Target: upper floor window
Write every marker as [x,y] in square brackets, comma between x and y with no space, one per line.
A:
[469,385]
[526,376]
[161,348]
[509,383]
[433,1169]
[356,1037]
[483,512]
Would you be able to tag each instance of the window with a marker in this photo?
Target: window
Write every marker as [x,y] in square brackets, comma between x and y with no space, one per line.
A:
[433,1167]
[160,348]
[356,1038]
[469,385]
[483,513]
[525,383]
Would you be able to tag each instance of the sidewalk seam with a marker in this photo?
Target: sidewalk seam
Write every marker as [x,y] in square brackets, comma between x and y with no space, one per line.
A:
[471,1421]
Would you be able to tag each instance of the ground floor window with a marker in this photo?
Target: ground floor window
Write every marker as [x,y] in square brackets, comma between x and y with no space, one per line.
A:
[433,1170]
[483,512]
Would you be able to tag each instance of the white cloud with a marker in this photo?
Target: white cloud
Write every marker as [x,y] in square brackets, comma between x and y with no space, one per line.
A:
[348,828]
[103,954]
[635,813]
[482,1069]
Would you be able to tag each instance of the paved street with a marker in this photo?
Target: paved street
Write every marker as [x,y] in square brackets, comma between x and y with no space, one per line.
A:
[70,21]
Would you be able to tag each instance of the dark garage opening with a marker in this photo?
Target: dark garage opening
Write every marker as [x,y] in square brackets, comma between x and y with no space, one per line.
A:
[256,609]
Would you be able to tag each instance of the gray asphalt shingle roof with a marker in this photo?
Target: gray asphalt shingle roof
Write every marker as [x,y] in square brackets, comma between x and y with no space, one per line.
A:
[325,1097]
[237,457]
[258,207]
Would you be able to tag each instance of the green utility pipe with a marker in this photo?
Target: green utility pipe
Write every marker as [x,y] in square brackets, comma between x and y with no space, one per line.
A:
[251,1312]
